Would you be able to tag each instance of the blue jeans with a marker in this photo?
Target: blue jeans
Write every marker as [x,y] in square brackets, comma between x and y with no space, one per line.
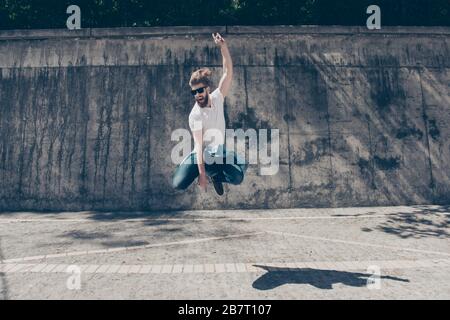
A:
[231,171]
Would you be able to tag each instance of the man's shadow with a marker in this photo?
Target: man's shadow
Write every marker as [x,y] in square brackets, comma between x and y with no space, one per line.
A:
[322,279]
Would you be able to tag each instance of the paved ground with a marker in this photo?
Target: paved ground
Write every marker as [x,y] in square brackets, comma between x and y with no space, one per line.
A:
[256,254]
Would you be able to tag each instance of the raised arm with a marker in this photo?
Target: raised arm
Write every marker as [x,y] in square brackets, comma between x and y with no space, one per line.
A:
[227,77]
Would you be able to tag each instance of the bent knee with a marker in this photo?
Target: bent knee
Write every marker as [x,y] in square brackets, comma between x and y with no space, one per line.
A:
[237,179]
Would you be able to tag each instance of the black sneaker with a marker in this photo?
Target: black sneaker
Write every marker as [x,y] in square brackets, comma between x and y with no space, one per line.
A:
[218,186]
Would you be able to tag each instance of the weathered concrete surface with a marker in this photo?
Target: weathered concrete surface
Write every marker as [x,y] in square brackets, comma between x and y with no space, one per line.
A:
[324,253]
[86,118]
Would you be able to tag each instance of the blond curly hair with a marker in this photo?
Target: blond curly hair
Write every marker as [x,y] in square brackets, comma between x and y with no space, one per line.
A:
[201,76]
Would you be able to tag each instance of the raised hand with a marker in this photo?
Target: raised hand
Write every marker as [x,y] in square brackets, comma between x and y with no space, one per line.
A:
[218,39]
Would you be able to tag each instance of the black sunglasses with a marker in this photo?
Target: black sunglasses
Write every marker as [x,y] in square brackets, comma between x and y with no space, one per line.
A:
[199,90]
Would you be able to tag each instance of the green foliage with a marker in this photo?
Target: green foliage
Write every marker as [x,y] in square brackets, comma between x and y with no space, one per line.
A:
[24,14]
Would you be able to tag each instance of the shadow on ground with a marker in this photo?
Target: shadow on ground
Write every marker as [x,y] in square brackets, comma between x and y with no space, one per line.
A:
[422,223]
[108,215]
[154,225]
[321,279]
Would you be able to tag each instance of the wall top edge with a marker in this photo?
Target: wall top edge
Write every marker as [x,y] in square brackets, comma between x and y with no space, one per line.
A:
[230,30]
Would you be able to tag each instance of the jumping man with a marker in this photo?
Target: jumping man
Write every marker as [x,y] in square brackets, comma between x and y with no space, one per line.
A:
[207,124]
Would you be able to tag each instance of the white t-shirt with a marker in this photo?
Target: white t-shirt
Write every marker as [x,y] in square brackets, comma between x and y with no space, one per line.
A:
[211,121]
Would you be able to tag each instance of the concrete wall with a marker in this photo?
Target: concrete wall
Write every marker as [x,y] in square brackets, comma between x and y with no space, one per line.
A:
[86,117]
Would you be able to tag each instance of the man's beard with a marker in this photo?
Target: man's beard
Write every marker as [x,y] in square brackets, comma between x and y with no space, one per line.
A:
[204,103]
